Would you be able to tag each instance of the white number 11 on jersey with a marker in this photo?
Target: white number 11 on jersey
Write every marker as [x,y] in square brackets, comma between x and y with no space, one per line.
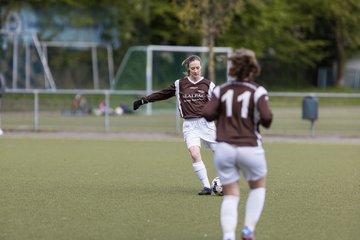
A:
[243,98]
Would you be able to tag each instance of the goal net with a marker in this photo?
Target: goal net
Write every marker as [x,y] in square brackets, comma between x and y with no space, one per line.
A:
[154,67]
[157,66]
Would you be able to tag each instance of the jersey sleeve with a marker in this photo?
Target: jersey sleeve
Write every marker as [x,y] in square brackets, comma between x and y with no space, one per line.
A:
[211,89]
[163,94]
[211,110]
[262,103]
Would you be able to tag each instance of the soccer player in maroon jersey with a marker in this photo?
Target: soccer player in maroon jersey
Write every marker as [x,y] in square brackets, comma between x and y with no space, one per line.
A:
[239,107]
[192,93]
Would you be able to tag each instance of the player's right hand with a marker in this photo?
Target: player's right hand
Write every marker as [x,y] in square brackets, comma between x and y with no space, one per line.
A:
[137,104]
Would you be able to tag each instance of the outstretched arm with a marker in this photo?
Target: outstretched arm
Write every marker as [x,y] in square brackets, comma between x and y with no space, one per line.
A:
[156,96]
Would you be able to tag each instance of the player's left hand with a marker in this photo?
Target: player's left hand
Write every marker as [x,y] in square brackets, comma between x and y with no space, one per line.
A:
[137,104]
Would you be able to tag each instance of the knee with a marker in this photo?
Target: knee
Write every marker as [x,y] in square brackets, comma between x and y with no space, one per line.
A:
[195,154]
[260,183]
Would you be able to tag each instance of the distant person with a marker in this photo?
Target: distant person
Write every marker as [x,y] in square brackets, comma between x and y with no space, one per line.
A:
[122,109]
[79,105]
[103,109]
[75,104]
[2,91]
[239,107]
[192,92]
[84,105]
[126,109]
[2,85]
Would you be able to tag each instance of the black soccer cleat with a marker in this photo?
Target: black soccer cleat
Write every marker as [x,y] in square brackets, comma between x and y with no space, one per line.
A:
[205,191]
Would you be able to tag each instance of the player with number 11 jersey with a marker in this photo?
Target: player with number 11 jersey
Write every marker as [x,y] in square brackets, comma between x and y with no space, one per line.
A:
[239,107]
[246,107]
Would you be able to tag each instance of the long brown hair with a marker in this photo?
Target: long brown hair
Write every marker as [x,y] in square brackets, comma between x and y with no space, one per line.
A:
[187,62]
[245,66]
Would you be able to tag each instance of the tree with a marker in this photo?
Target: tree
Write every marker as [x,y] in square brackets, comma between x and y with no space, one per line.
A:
[209,18]
[276,29]
[341,18]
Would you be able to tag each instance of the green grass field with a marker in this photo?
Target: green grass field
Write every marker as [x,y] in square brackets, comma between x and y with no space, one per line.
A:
[68,188]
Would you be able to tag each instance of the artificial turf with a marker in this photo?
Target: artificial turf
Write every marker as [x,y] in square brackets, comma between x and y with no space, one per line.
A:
[68,188]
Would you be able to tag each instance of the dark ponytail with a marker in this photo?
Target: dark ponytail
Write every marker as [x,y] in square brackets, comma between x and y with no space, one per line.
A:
[244,65]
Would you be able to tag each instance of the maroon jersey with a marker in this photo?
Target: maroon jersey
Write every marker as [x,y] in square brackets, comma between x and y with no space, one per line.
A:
[191,96]
[239,108]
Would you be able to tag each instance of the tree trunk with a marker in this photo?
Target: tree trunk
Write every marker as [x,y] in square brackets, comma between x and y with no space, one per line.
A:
[211,64]
[204,37]
[340,51]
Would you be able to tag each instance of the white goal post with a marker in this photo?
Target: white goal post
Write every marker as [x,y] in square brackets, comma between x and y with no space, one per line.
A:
[150,49]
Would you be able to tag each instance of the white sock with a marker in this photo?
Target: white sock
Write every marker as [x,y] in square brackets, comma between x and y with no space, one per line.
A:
[229,216]
[254,207]
[200,170]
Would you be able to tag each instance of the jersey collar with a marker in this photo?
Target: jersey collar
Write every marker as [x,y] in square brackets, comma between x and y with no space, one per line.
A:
[194,82]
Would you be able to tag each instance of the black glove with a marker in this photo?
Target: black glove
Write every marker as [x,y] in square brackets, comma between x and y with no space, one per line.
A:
[137,104]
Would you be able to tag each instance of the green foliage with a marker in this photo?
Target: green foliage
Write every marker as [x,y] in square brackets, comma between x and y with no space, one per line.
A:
[340,19]
[274,29]
[209,16]
[297,35]
[345,14]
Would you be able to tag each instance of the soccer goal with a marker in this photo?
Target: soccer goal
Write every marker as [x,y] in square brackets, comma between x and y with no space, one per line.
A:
[22,45]
[154,67]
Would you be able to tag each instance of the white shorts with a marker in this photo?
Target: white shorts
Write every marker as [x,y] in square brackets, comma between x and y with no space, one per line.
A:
[198,129]
[231,160]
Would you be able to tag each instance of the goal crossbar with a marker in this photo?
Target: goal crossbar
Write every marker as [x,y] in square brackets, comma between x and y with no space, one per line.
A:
[165,48]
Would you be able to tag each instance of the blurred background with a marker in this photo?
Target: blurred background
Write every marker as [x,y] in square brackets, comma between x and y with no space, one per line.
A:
[76,65]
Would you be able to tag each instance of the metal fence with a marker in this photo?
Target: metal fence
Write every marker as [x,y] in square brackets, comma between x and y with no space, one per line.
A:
[50,110]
